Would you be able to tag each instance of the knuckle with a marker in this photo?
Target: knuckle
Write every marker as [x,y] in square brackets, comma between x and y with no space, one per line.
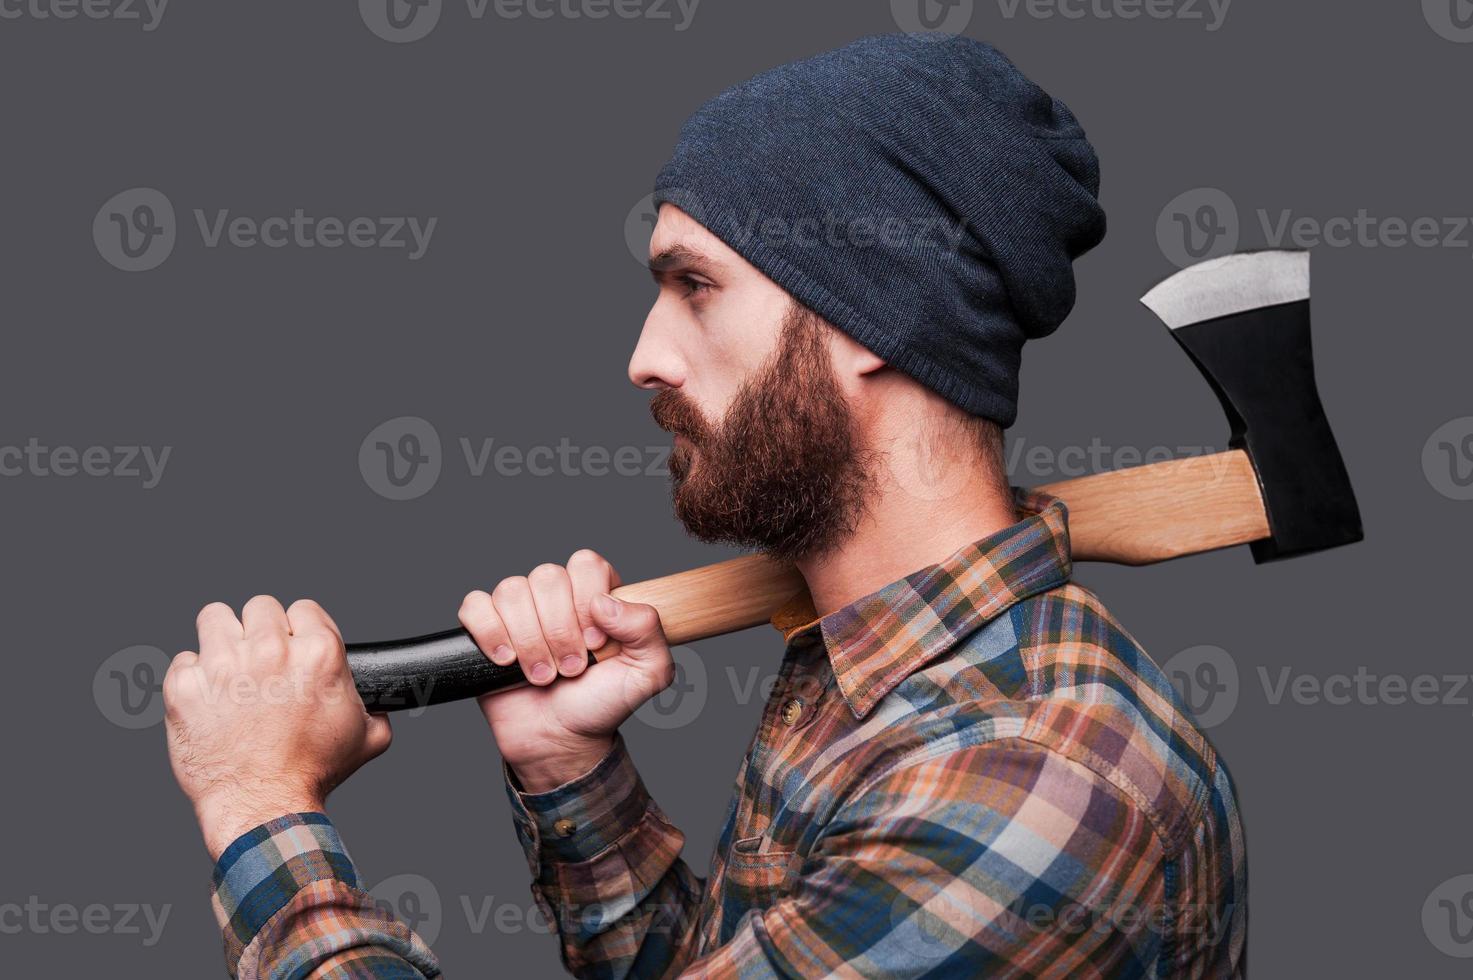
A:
[561,636]
[508,588]
[319,646]
[643,616]
[547,574]
[171,679]
[477,611]
[306,606]
[212,610]
[586,557]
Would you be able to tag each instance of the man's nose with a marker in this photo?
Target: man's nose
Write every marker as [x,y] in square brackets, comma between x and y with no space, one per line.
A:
[655,362]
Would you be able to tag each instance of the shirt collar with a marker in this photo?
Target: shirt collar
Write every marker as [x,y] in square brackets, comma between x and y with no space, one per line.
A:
[878,641]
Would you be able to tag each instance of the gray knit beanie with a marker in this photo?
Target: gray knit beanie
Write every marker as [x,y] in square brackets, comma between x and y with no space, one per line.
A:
[919,193]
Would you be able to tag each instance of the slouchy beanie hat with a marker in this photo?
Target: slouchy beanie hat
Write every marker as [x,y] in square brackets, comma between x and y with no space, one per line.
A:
[918,192]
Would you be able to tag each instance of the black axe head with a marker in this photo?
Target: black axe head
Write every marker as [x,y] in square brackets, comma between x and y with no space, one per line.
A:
[1244,321]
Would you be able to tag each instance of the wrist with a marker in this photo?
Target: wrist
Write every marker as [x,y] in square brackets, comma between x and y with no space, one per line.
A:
[223,819]
[552,771]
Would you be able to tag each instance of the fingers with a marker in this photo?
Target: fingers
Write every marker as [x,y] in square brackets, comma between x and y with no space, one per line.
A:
[636,626]
[478,616]
[306,616]
[175,679]
[263,618]
[552,592]
[591,575]
[378,737]
[518,611]
[218,628]
[542,621]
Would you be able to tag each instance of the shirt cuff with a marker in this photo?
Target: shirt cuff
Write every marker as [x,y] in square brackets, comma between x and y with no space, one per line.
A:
[577,820]
[265,868]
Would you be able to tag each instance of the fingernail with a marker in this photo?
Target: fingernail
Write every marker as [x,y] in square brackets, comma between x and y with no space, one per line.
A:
[606,606]
[542,672]
[593,638]
[572,663]
[503,655]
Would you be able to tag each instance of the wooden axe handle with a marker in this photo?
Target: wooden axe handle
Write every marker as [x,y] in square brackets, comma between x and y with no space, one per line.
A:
[1134,517]
[1165,510]
[1130,517]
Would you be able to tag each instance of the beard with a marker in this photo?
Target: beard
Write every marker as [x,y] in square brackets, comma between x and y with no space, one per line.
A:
[785,471]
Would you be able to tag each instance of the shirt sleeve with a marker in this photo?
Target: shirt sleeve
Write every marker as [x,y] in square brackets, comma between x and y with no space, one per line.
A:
[289,902]
[1003,859]
[607,870]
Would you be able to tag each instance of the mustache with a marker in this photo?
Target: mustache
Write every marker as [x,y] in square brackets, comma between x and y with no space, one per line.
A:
[676,414]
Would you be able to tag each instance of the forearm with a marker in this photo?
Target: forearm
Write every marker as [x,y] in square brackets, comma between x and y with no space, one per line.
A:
[607,870]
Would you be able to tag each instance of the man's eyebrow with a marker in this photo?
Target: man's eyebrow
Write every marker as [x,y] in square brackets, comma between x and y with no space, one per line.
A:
[682,258]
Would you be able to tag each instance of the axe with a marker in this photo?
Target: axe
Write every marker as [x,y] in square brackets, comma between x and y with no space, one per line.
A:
[1281,487]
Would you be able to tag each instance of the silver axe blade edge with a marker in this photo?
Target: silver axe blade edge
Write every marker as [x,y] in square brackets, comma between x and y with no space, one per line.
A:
[1232,284]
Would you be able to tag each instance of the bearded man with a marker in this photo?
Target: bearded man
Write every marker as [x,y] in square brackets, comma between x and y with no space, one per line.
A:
[967,767]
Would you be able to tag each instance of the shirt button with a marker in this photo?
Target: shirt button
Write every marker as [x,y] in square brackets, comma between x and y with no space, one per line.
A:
[793,712]
[565,827]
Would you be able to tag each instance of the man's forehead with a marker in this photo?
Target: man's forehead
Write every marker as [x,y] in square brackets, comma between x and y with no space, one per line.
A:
[680,238]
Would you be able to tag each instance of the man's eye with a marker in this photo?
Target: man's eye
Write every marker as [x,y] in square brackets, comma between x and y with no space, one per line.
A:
[693,286]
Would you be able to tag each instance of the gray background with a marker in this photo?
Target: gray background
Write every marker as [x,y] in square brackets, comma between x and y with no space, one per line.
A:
[531,141]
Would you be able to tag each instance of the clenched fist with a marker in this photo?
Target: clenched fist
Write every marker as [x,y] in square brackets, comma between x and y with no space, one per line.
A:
[264,720]
[564,722]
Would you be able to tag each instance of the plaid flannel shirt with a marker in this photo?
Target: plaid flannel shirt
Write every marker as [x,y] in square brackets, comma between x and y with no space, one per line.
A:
[974,771]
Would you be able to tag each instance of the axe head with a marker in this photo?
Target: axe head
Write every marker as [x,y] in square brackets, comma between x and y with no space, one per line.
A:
[1244,321]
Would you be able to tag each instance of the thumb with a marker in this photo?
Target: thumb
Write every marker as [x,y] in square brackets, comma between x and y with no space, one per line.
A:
[378,736]
[636,626]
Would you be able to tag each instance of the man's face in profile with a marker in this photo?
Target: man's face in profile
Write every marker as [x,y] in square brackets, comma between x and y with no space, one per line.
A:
[767,451]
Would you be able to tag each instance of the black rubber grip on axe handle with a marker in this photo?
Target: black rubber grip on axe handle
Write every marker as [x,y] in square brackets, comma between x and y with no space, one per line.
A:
[402,674]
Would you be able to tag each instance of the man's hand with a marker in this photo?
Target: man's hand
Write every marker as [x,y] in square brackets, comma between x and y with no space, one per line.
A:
[264,720]
[562,724]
